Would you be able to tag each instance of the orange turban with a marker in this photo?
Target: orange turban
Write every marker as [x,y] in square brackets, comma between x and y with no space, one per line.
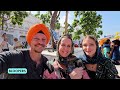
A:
[35,29]
[102,41]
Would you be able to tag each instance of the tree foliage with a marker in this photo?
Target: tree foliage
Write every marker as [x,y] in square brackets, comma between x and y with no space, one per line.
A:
[48,18]
[89,23]
[51,18]
[15,17]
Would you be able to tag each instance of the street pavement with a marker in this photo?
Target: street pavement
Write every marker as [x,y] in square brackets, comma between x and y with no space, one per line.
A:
[77,51]
[50,55]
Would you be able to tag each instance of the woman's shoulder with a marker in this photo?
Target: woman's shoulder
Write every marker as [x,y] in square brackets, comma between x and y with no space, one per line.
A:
[108,63]
[109,66]
[105,61]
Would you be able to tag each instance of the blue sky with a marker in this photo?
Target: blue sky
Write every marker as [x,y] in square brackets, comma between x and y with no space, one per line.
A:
[110,21]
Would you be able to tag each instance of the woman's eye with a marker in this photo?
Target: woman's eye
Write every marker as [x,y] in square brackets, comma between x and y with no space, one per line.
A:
[68,46]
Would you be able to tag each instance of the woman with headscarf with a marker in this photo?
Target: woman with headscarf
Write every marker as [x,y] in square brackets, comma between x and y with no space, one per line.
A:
[97,66]
[67,65]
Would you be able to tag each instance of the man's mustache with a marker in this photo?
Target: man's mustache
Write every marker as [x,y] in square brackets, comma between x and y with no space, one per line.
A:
[40,45]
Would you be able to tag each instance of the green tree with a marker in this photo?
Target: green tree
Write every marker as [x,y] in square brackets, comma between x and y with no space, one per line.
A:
[89,23]
[52,18]
[53,23]
[15,17]
[44,17]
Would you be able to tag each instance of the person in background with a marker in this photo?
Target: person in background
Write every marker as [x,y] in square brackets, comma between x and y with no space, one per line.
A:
[97,66]
[115,53]
[106,48]
[4,44]
[17,44]
[67,65]
[37,37]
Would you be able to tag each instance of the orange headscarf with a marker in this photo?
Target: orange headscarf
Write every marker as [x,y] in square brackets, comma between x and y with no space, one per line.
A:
[35,29]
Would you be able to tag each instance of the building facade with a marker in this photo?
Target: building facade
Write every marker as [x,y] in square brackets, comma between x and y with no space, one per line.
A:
[15,31]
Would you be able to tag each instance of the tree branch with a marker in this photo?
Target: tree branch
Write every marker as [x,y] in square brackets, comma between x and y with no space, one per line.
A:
[50,12]
[58,14]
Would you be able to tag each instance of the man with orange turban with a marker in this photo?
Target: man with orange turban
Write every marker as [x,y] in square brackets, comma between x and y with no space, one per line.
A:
[37,28]
[31,60]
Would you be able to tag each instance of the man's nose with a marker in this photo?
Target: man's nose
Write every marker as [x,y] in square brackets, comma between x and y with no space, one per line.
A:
[40,41]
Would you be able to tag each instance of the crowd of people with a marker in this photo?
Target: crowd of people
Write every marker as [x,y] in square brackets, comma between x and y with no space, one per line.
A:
[94,64]
[111,49]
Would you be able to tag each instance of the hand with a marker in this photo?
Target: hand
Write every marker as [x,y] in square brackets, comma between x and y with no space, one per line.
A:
[47,75]
[85,75]
[77,73]
[56,65]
